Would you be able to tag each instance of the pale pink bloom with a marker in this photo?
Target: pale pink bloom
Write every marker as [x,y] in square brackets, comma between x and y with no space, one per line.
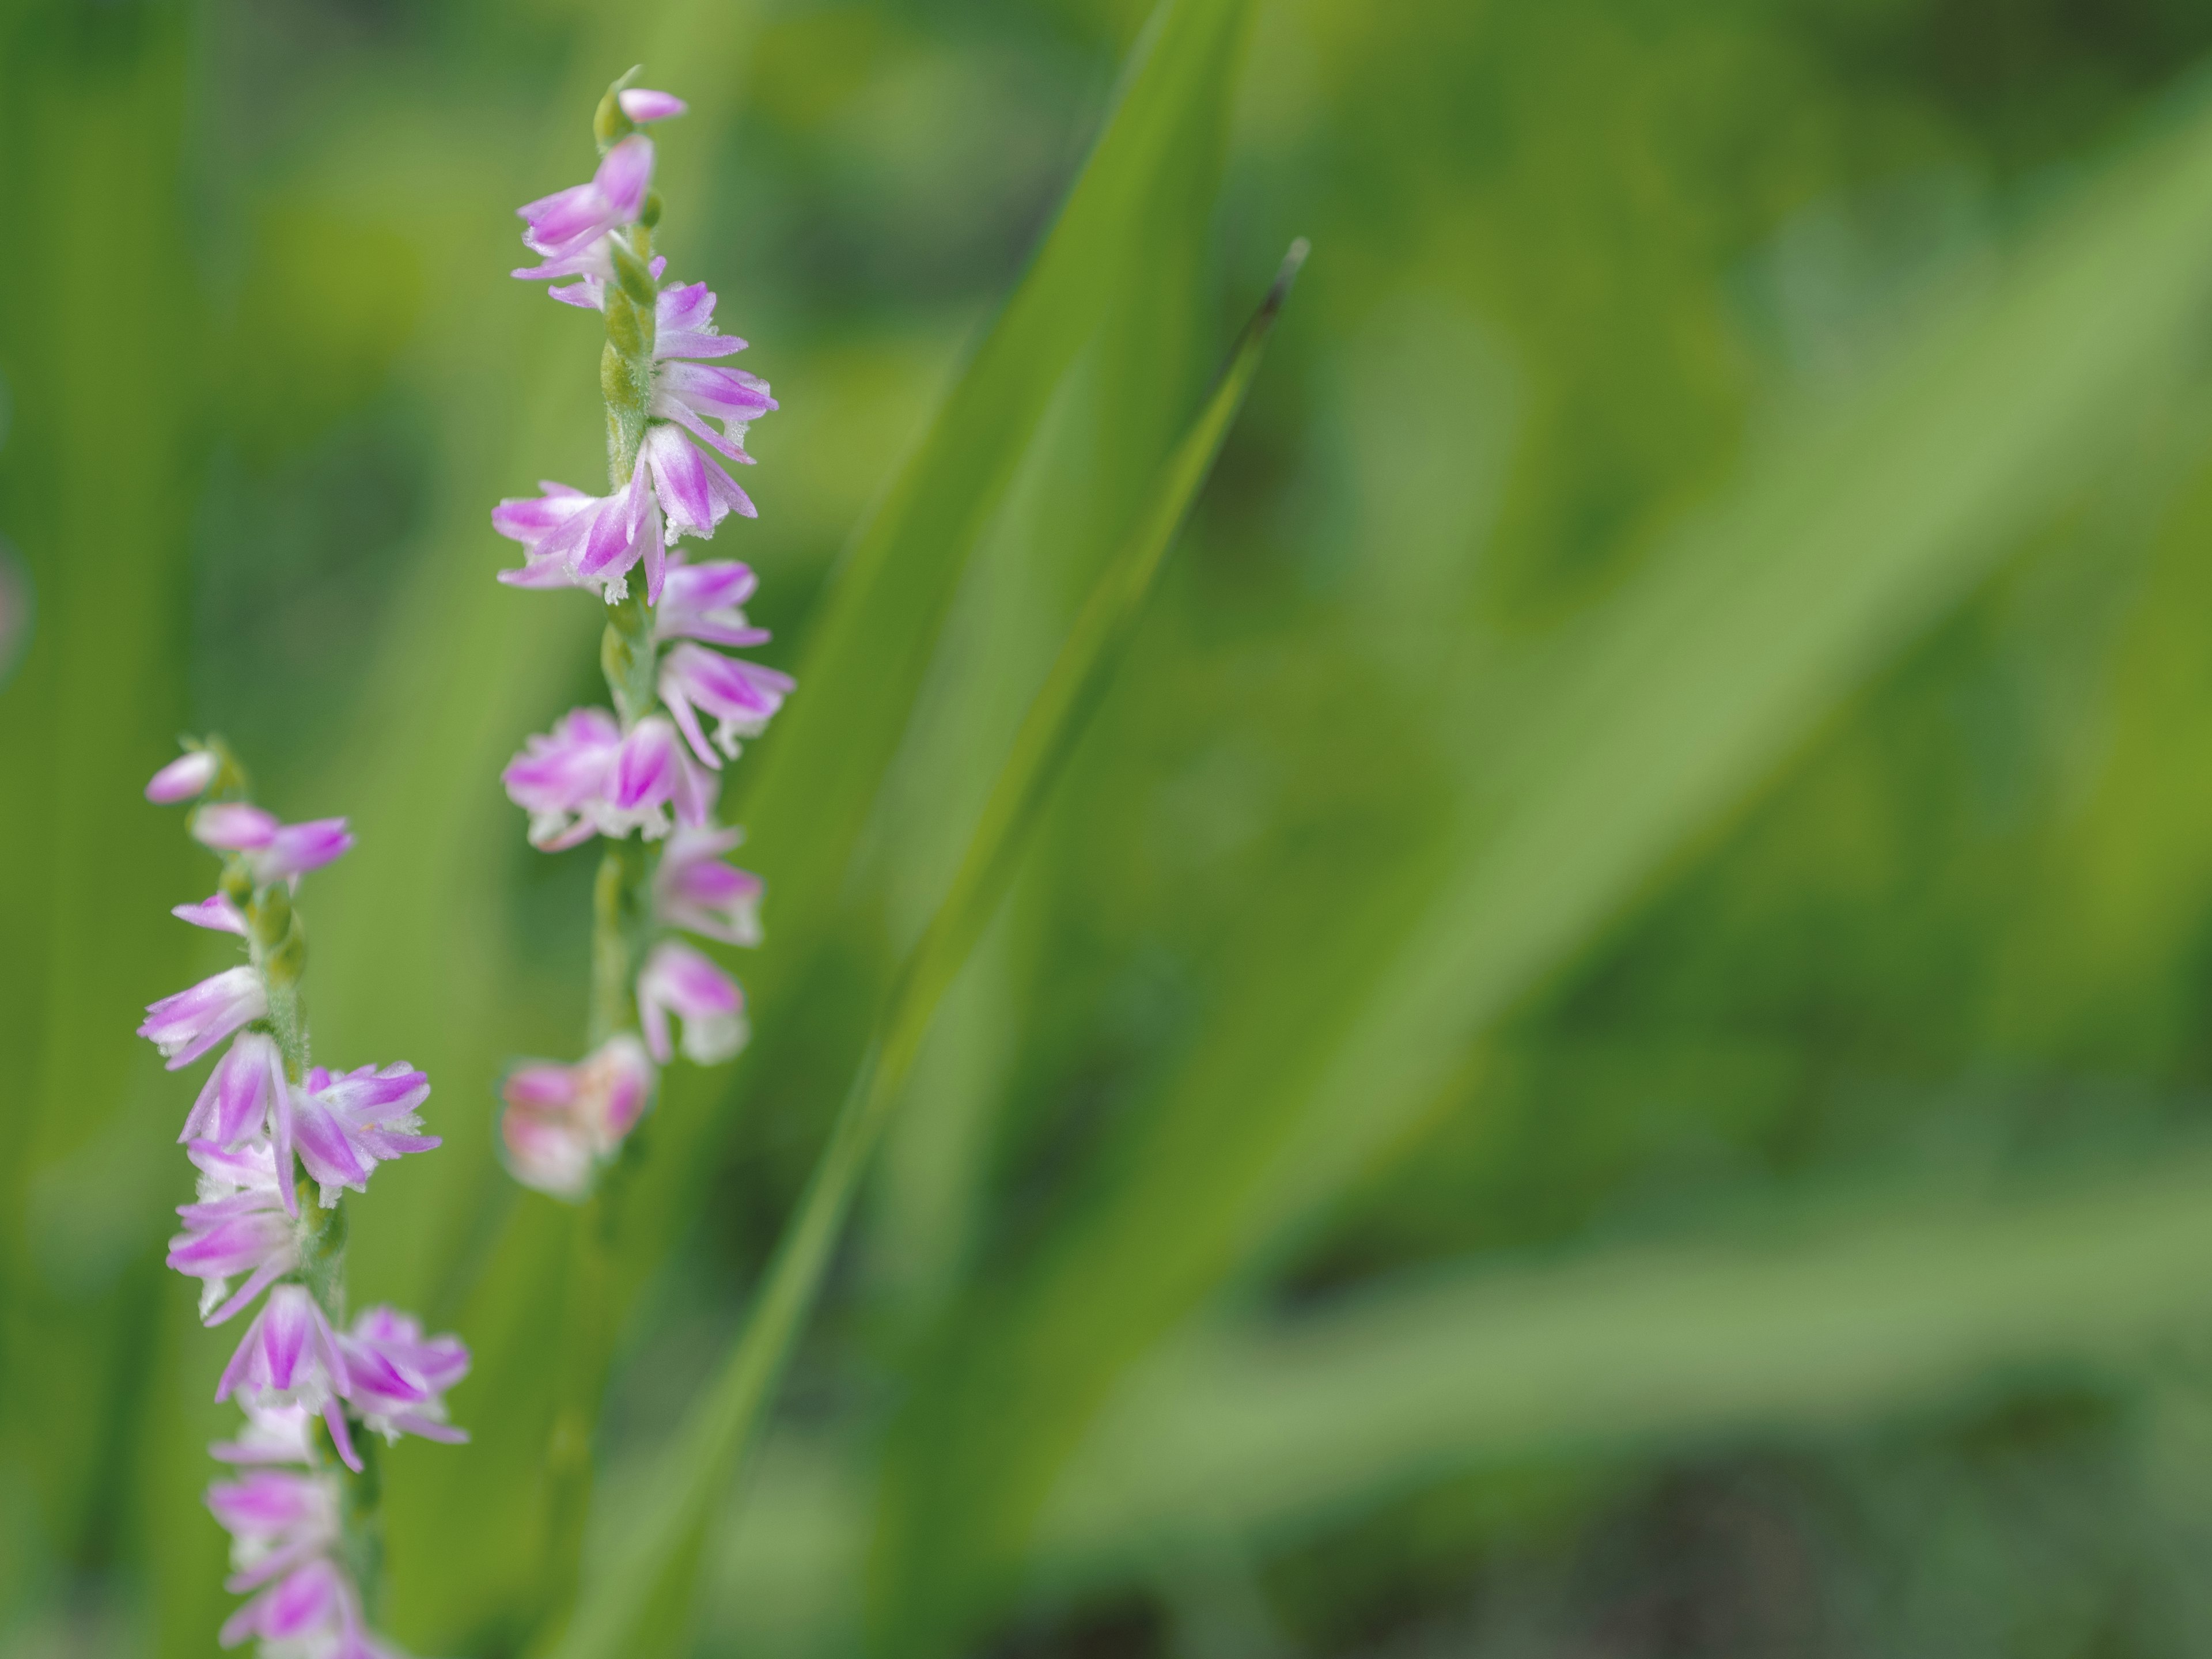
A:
[272,851]
[695,493]
[586,777]
[314,1611]
[239,1225]
[641,105]
[396,1377]
[215,913]
[677,979]
[741,696]
[563,1122]
[570,539]
[289,1356]
[706,602]
[343,1124]
[277,1520]
[272,1434]
[182,778]
[565,226]
[693,888]
[234,1102]
[691,394]
[186,1025]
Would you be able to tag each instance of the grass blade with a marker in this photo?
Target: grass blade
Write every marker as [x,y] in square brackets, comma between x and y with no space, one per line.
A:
[642,1603]
[1596,760]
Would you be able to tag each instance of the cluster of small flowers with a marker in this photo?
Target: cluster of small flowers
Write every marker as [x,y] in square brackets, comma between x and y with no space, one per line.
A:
[654,772]
[252,1124]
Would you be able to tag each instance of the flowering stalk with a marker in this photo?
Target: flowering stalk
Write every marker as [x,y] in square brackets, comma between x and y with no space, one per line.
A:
[278,1142]
[643,777]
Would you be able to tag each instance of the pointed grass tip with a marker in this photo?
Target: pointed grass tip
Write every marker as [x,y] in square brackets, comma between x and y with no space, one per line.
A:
[1285,274]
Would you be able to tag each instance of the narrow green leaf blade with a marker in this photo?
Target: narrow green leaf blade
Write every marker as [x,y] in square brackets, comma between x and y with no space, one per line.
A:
[642,1603]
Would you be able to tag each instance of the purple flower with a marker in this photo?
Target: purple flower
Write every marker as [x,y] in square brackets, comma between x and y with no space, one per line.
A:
[274,851]
[234,1102]
[216,912]
[311,1613]
[677,979]
[694,492]
[289,1356]
[693,888]
[588,778]
[564,227]
[397,1378]
[683,325]
[272,1434]
[276,1520]
[186,1025]
[690,394]
[343,1125]
[570,539]
[182,777]
[641,106]
[239,1225]
[563,1122]
[704,601]
[741,696]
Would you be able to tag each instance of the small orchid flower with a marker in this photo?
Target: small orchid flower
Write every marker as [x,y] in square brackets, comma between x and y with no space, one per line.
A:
[345,1124]
[693,888]
[306,1612]
[289,1356]
[588,777]
[570,539]
[398,1377]
[641,105]
[694,492]
[273,851]
[691,394]
[234,1102]
[741,696]
[215,913]
[677,979]
[276,1520]
[563,226]
[563,1122]
[239,1225]
[272,1434]
[705,601]
[186,1025]
[182,777]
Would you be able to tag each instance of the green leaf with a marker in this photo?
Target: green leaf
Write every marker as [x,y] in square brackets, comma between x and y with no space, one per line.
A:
[643,1602]
[1593,756]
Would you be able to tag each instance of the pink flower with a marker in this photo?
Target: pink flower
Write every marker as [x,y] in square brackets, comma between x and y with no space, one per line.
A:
[276,1520]
[273,851]
[693,888]
[313,1612]
[586,777]
[690,394]
[565,226]
[234,1102]
[642,105]
[741,696]
[704,601]
[186,1025]
[397,1378]
[677,979]
[239,1225]
[563,1122]
[694,492]
[345,1124]
[272,1434]
[217,912]
[289,1356]
[182,778]
[570,539]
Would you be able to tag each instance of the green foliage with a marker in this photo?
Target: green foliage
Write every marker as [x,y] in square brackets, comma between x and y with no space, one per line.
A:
[1600,1047]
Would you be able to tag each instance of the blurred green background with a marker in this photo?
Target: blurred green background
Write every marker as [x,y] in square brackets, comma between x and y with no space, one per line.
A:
[1603,1053]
